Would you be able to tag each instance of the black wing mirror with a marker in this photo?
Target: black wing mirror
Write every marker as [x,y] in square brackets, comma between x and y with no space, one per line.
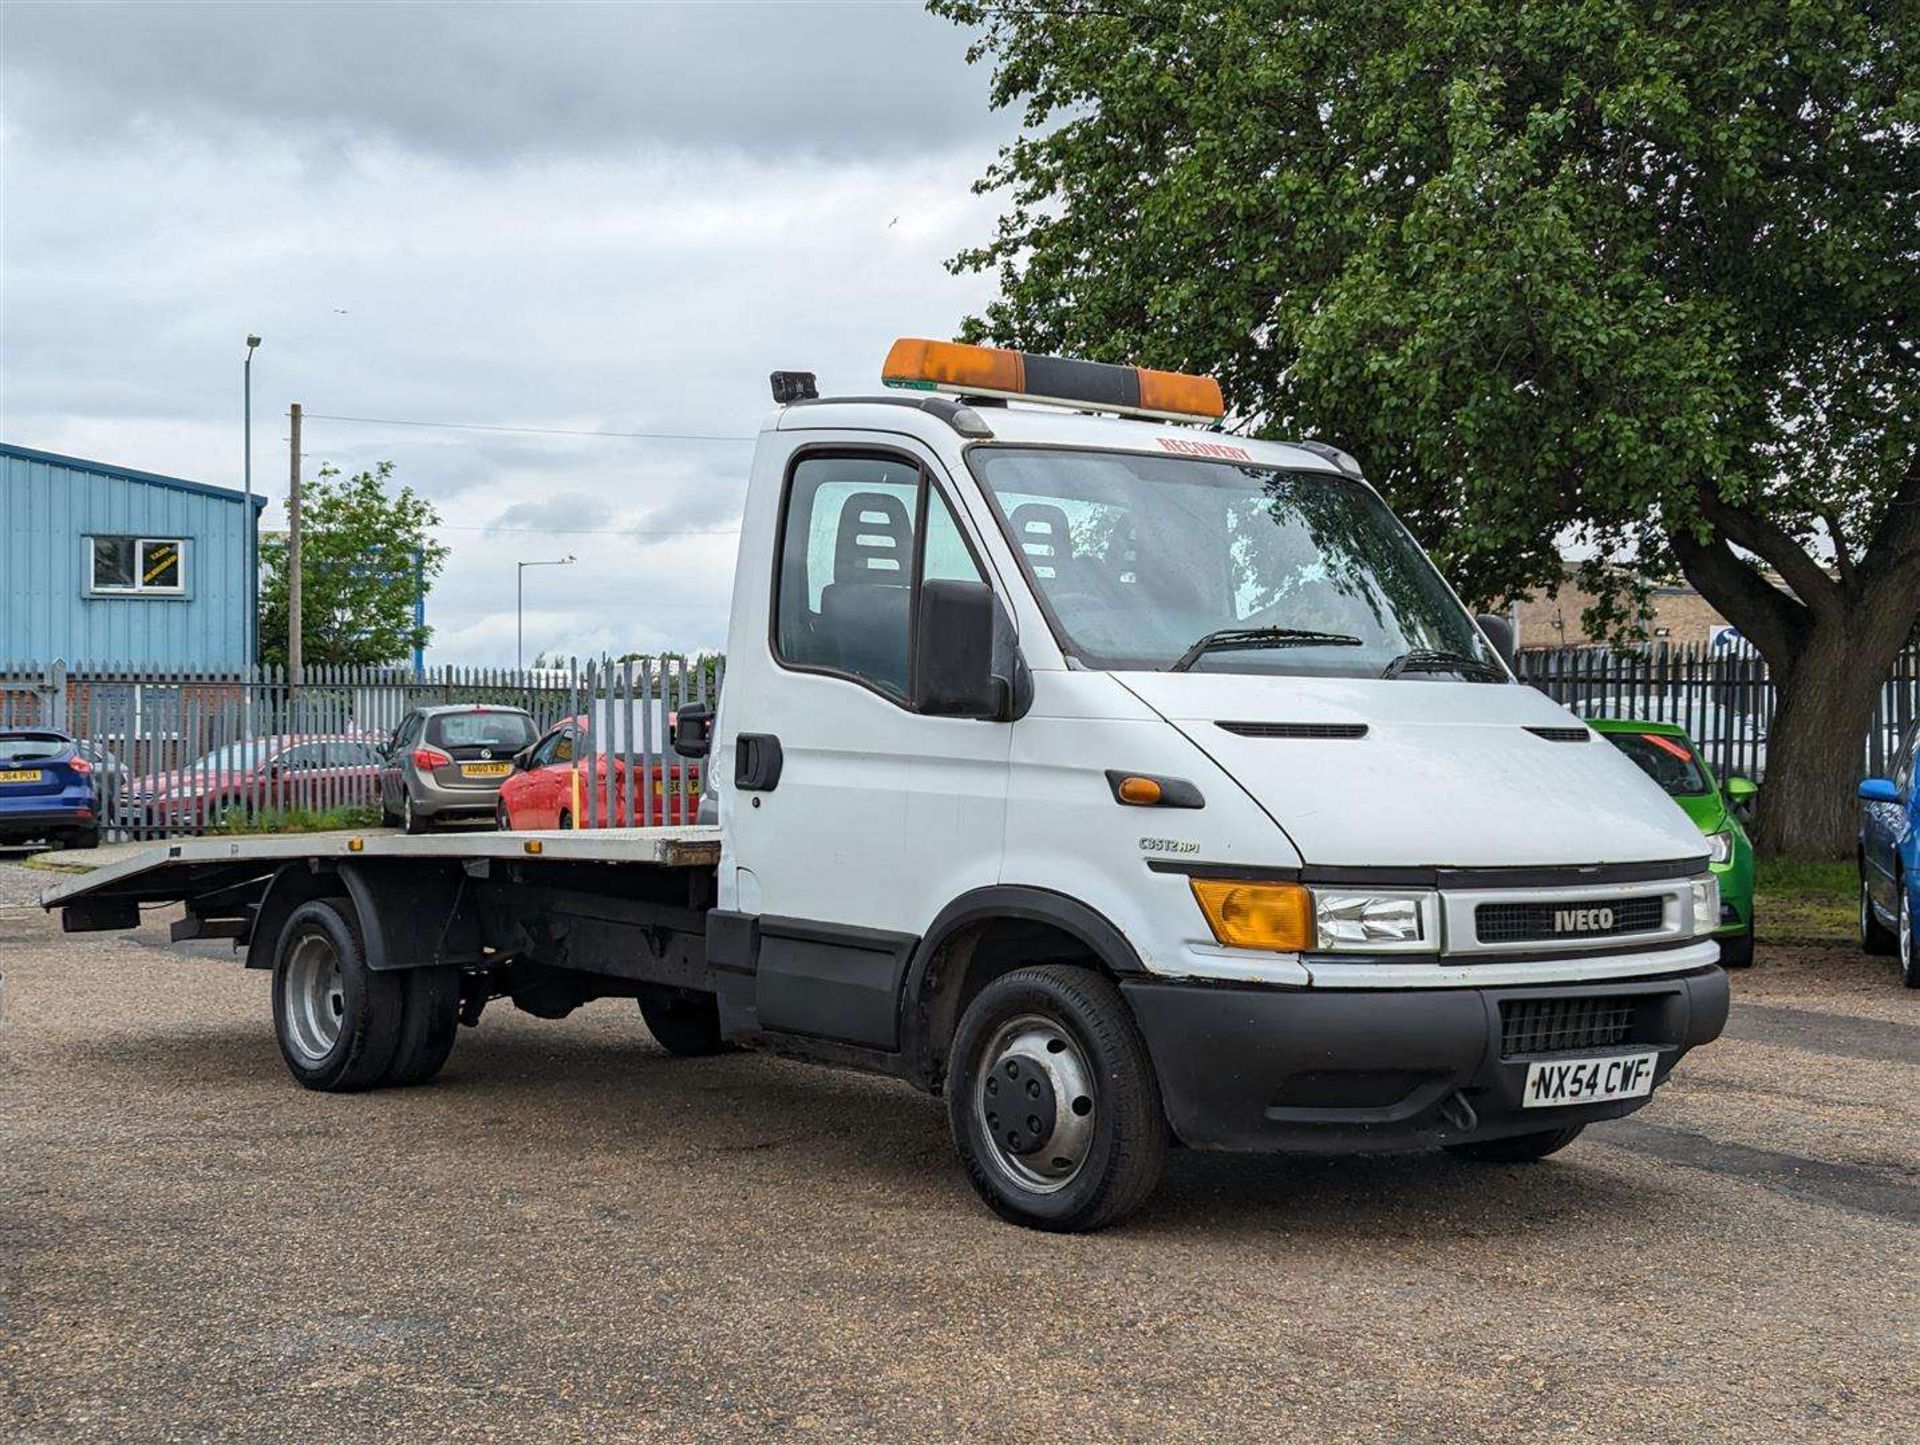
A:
[956,628]
[1499,631]
[693,730]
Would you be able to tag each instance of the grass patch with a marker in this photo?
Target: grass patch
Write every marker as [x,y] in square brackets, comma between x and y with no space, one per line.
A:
[234,823]
[1803,902]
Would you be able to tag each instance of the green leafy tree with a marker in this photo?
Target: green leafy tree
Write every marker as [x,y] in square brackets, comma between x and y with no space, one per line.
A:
[366,552]
[1642,276]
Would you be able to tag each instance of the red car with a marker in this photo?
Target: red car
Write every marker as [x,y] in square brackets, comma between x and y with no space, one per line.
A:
[559,783]
[256,775]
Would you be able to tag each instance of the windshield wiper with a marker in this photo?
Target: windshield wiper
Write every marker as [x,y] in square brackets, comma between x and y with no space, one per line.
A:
[1249,639]
[1434,659]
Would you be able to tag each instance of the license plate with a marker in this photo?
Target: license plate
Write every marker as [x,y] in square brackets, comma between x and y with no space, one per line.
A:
[485,770]
[21,775]
[1554,1082]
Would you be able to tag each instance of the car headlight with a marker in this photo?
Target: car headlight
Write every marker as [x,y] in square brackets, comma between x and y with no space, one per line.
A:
[1720,846]
[1294,918]
[1706,905]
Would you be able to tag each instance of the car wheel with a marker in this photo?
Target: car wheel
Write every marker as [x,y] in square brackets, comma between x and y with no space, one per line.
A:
[82,838]
[1875,937]
[1518,1148]
[565,821]
[415,823]
[1737,951]
[1053,1102]
[1909,945]
[502,819]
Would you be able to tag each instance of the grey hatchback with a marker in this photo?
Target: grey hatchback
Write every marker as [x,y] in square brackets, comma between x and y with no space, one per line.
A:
[449,762]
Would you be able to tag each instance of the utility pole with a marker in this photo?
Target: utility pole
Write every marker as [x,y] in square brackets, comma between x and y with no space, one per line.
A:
[293,556]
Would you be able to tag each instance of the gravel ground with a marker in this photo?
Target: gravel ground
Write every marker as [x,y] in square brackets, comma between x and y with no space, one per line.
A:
[572,1236]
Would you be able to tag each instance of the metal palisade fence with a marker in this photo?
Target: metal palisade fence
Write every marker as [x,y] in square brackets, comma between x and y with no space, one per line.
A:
[195,752]
[1722,697]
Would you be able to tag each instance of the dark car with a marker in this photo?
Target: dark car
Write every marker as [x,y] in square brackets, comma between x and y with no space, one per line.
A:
[255,776]
[47,789]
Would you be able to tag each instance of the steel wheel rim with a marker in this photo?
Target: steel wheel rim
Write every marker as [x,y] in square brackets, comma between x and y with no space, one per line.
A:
[1035,1104]
[1906,926]
[313,995]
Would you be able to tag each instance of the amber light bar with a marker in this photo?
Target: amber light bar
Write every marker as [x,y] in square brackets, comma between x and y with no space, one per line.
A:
[1058,380]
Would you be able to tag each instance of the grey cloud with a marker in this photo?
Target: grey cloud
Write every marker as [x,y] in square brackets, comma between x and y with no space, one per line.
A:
[563,509]
[486,83]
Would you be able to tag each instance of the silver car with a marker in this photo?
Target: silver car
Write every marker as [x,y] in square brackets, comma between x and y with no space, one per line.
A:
[449,762]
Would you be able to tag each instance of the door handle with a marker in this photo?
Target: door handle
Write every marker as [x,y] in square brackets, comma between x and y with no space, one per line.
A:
[756,762]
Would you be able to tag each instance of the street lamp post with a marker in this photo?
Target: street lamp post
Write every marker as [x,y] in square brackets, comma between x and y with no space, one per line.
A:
[250,534]
[519,605]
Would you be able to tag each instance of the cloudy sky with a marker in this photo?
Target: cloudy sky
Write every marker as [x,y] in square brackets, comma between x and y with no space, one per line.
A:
[588,218]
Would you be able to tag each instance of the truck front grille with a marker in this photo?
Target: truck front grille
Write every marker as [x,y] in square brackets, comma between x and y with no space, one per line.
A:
[1549,922]
[1564,1025]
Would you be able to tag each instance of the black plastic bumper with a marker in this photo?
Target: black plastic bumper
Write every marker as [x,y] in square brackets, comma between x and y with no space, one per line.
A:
[1361,1070]
[31,823]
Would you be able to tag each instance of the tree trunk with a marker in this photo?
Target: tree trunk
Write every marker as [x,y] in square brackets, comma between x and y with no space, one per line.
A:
[1809,806]
[1824,706]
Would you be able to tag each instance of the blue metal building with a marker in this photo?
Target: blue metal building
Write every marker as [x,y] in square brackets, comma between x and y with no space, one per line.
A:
[106,565]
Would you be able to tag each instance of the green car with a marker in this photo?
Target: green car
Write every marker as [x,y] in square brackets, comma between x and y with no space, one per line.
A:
[1667,755]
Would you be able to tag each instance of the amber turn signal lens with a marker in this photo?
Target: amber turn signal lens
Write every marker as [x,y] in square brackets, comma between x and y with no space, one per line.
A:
[1276,916]
[1182,395]
[532,845]
[1141,792]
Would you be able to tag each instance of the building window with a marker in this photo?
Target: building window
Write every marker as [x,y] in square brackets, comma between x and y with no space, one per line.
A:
[140,565]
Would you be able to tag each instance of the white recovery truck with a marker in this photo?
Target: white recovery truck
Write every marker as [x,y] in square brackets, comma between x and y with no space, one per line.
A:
[1125,780]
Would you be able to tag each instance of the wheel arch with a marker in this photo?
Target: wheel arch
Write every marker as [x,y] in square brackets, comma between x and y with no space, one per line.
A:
[982,934]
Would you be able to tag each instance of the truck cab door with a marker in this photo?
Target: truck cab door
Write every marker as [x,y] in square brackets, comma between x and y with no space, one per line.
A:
[851,820]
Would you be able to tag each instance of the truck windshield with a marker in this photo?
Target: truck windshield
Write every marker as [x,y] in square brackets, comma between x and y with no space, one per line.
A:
[1135,558]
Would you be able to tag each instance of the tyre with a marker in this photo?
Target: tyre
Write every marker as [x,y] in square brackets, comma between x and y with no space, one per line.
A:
[1875,937]
[1518,1148]
[1737,951]
[565,821]
[414,823]
[1909,945]
[502,819]
[83,838]
[1053,1102]
[684,1022]
[429,1020]
[337,1020]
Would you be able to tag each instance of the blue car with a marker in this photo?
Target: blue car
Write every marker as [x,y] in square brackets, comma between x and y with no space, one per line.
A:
[46,789]
[1890,860]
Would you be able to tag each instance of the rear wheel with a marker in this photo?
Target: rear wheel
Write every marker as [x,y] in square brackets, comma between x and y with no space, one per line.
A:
[429,1020]
[414,822]
[338,1022]
[685,1022]
[1518,1148]
[1875,937]
[83,838]
[1053,1101]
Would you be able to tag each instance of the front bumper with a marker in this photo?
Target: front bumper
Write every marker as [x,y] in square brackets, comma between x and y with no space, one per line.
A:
[1358,1071]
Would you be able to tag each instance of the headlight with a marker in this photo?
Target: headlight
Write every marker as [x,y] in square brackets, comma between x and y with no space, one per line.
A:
[1374,922]
[1293,918]
[1706,905]
[1720,846]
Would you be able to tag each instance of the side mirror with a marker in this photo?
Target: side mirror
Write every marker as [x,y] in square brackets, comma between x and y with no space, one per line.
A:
[520,759]
[1499,631]
[692,732]
[1741,790]
[1879,790]
[954,630]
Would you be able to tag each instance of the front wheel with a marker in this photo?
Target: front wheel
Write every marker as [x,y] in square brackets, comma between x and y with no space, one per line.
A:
[1875,937]
[1518,1148]
[1909,945]
[1053,1102]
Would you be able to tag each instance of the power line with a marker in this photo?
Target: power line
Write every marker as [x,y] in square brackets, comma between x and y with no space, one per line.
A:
[587,531]
[544,431]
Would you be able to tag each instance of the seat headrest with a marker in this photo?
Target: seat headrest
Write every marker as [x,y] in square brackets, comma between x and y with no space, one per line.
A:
[1041,530]
[875,541]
